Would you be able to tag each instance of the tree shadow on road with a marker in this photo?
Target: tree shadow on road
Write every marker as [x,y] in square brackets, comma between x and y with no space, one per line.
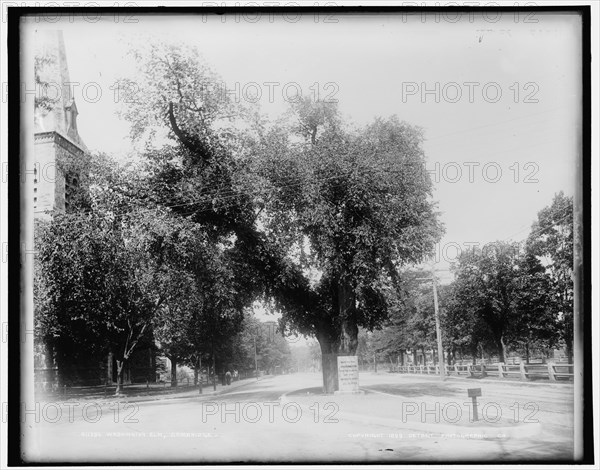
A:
[416,390]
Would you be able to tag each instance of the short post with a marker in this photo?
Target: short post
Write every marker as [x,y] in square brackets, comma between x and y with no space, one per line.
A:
[473,393]
[470,370]
[523,371]
[551,372]
[483,372]
[501,370]
[200,387]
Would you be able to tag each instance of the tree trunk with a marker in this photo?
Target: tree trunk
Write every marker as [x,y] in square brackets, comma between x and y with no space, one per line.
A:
[342,340]
[414,354]
[120,368]
[330,375]
[196,371]
[569,350]
[527,352]
[330,350]
[214,362]
[501,349]
[173,371]
[109,368]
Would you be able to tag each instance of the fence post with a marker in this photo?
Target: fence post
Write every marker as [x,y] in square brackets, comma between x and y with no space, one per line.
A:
[470,370]
[523,371]
[437,369]
[483,370]
[501,370]
[551,372]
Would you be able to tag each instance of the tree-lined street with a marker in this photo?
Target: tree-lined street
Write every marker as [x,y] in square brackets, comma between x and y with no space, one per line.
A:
[243,285]
[274,420]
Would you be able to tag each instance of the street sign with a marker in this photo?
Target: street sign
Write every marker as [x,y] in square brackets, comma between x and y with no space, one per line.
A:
[348,373]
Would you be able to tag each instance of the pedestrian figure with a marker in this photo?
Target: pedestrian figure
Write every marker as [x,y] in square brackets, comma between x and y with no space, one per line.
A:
[228,377]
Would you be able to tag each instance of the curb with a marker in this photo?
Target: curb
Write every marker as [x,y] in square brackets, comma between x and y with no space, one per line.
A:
[110,399]
[194,395]
[484,380]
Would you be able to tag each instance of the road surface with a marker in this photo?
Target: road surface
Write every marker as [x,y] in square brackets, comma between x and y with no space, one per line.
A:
[398,418]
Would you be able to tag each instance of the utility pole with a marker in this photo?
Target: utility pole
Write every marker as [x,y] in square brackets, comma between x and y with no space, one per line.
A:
[438,329]
[255,356]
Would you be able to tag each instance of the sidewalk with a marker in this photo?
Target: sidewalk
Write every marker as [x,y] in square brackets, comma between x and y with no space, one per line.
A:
[141,393]
[420,417]
[475,380]
[424,405]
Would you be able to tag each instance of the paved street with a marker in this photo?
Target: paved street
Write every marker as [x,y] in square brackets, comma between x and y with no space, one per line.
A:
[281,419]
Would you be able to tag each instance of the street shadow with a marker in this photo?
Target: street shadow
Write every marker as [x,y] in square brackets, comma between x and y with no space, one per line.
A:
[416,390]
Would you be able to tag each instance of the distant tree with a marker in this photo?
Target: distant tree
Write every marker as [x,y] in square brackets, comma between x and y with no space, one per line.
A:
[551,242]
[486,290]
[537,323]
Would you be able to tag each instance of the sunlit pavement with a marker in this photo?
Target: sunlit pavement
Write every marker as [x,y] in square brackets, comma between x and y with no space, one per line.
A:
[398,418]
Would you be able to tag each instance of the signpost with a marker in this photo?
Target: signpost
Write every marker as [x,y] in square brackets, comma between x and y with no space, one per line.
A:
[473,394]
[347,374]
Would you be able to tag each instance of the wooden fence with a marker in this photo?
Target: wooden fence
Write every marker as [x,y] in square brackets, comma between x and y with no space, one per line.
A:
[552,372]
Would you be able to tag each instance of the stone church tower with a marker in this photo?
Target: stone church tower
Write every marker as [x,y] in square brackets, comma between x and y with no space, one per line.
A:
[57,140]
[60,156]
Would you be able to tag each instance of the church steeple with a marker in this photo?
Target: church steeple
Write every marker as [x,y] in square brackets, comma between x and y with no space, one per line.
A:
[56,86]
[57,140]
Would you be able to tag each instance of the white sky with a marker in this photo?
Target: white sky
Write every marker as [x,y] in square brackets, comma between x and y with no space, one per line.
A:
[372,60]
